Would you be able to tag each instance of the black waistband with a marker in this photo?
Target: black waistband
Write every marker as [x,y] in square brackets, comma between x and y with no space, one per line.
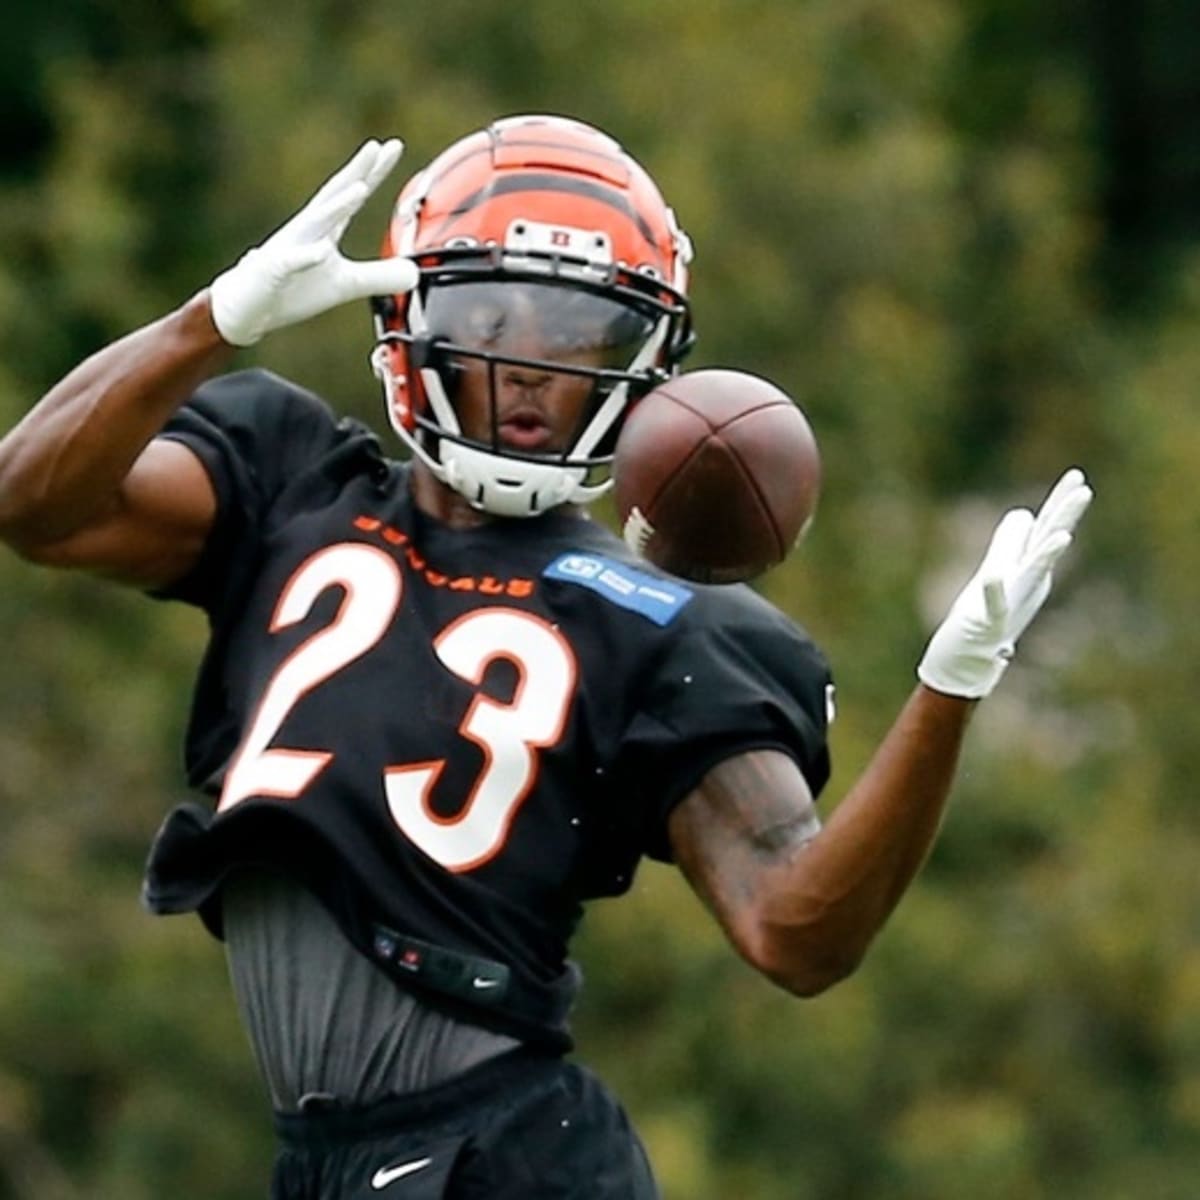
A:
[336,1123]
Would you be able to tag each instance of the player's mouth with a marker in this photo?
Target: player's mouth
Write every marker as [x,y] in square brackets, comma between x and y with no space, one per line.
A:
[525,429]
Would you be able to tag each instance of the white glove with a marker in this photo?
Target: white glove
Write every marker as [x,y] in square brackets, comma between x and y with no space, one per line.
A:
[972,647]
[299,270]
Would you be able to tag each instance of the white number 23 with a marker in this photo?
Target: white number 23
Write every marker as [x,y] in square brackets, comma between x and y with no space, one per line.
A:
[509,734]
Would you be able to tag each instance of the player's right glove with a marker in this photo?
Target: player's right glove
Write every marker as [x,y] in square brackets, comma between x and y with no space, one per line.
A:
[299,271]
[972,647]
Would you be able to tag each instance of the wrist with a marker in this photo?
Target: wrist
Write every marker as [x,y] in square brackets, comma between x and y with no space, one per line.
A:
[943,692]
[203,316]
[195,335]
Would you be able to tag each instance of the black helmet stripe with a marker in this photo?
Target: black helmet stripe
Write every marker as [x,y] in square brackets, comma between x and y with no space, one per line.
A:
[533,181]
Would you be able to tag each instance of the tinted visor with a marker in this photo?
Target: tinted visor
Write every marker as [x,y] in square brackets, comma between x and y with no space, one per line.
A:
[539,322]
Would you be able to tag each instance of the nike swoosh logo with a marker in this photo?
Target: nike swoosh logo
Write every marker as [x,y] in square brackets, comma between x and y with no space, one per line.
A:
[387,1175]
[480,982]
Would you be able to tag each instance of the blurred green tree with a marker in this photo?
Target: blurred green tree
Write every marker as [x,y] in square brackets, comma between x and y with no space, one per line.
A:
[906,215]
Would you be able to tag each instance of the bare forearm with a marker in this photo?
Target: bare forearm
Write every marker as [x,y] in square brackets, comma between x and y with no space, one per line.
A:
[65,462]
[826,902]
[802,902]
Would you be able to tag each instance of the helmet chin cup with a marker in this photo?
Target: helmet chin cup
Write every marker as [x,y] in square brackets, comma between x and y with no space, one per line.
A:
[508,487]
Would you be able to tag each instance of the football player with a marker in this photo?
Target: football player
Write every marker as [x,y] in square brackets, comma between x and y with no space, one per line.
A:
[441,709]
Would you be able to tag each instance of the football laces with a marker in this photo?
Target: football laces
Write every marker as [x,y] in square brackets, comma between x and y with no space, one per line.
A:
[637,530]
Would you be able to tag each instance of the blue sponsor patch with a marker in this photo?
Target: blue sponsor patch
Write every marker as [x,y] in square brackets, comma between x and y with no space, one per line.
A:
[660,600]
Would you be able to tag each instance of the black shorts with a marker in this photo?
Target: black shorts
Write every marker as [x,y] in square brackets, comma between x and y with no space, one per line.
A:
[519,1127]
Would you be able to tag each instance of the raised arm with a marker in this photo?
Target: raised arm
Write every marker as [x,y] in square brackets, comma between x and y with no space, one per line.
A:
[84,482]
[802,903]
[81,482]
[799,901]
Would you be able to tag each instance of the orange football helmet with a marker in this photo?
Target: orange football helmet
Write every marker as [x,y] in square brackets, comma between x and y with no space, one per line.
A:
[543,246]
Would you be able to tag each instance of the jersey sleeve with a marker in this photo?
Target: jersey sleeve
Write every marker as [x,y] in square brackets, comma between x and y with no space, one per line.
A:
[255,433]
[746,678]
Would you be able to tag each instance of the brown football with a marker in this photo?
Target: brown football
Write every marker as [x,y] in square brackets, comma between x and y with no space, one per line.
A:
[716,475]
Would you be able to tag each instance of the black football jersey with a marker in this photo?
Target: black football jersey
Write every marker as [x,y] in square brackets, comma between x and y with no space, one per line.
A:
[453,737]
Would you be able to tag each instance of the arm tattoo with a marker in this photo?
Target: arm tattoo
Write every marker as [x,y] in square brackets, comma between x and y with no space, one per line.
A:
[750,813]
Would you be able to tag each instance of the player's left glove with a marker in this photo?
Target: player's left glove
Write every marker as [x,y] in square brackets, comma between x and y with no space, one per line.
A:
[970,650]
[299,271]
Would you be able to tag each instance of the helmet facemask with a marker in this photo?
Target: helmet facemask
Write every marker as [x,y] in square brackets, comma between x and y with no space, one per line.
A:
[518,387]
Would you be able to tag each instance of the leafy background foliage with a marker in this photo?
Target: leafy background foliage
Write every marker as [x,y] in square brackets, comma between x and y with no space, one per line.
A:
[964,236]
